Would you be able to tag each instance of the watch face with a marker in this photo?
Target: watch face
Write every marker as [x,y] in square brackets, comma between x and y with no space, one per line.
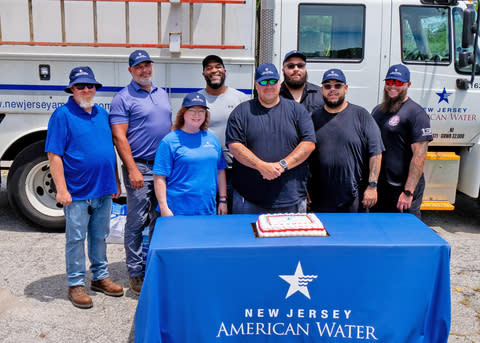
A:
[408,193]
[284,164]
[372,184]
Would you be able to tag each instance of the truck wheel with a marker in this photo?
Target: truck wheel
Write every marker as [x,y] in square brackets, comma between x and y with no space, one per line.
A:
[31,190]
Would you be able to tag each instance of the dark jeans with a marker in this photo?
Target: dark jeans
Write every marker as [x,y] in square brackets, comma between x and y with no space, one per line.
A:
[243,206]
[354,206]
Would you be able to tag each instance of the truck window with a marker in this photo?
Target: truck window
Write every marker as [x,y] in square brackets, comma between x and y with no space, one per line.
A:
[425,34]
[332,32]
[458,26]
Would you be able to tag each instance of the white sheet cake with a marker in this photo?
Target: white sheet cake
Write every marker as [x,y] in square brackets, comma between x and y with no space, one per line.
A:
[289,224]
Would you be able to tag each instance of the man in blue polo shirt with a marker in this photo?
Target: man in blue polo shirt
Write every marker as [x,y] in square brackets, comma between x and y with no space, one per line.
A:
[82,162]
[140,116]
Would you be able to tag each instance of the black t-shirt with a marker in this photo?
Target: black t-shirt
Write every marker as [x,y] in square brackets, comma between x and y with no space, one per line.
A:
[312,97]
[399,131]
[271,134]
[339,166]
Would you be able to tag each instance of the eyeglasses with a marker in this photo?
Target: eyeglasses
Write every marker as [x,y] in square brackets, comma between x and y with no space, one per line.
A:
[300,65]
[201,112]
[329,86]
[81,86]
[270,82]
[391,82]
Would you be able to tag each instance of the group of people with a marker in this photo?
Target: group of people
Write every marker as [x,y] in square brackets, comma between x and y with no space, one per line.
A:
[295,147]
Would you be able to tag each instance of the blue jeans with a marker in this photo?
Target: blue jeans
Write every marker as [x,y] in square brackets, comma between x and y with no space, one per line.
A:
[141,204]
[79,222]
[243,206]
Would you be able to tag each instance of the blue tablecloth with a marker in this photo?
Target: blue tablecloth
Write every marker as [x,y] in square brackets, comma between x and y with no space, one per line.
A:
[376,278]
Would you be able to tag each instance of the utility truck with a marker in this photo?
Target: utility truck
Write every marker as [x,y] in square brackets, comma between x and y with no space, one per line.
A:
[42,40]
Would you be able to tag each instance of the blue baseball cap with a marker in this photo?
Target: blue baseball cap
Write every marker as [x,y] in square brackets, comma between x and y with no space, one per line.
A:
[194,99]
[138,56]
[82,75]
[294,53]
[266,71]
[398,72]
[334,74]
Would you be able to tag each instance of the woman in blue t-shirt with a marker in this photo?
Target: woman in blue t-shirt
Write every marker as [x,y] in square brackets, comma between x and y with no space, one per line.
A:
[189,168]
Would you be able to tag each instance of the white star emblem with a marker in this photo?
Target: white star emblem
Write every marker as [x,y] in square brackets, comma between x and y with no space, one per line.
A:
[298,282]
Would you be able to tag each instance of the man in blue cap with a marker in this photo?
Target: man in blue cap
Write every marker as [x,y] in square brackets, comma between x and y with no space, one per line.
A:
[270,138]
[406,131]
[295,85]
[140,116]
[345,164]
[82,162]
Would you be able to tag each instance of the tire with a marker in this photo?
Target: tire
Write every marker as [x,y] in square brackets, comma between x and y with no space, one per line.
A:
[31,191]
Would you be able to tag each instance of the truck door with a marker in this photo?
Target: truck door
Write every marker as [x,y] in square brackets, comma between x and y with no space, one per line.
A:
[346,35]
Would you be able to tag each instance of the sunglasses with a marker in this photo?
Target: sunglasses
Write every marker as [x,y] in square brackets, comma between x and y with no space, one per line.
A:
[270,82]
[394,82]
[329,86]
[81,86]
[300,65]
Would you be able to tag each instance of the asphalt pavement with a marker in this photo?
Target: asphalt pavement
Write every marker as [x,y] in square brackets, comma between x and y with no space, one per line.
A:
[33,292]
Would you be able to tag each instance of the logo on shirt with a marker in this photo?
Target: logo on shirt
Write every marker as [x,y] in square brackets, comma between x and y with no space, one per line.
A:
[427,131]
[298,282]
[394,120]
[207,144]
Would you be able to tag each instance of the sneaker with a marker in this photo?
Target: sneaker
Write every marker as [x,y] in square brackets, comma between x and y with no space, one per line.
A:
[136,283]
[107,286]
[79,297]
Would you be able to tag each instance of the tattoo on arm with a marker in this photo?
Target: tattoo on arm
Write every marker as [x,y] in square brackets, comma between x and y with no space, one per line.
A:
[416,164]
[374,164]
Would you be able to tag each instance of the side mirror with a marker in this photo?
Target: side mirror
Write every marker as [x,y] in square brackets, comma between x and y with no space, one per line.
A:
[465,58]
[468,27]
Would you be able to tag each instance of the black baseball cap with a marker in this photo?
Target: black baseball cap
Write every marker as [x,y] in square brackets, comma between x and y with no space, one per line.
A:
[209,58]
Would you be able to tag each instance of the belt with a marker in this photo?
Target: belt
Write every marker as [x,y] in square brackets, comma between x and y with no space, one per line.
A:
[141,160]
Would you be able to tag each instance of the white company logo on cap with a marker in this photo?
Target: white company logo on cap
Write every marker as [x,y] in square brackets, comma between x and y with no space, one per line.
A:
[298,282]
[267,71]
[197,98]
[332,73]
[395,72]
[140,55]
[81,72]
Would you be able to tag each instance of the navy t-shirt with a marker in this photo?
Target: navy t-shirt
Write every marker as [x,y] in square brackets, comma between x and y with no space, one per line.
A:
[339,165]
[399,131]
[271,134]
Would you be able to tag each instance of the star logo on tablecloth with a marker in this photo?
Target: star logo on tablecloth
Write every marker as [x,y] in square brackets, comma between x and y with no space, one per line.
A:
[443,96]
[298,282]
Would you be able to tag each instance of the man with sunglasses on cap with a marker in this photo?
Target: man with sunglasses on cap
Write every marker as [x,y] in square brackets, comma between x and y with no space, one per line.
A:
[406,131]
[140,116]
[346,162]
[221,100]
[82,163]
[270,138]
[295,85]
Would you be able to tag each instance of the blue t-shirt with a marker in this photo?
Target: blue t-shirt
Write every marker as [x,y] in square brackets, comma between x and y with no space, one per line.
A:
[271,134]
[190,163]
[85,143]
[149,117]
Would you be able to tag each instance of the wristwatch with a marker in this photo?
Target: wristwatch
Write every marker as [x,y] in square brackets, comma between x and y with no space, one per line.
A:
[408,193]
[372,184]
[284,164]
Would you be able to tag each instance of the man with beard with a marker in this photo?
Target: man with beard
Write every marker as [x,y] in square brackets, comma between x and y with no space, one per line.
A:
[345,164]
[140,116]
[221,100]
[82,163]
[295,85]
[406,131]
[270,138]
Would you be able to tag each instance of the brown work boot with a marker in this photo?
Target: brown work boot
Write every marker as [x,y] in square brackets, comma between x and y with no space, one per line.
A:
[107,286]
[79,297]
[136,283]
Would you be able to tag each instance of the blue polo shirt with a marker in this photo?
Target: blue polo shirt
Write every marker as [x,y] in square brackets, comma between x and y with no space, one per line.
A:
[148,114]
[84,141]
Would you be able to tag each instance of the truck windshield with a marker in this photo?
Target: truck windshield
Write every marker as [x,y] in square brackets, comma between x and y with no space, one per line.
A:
[332,32]
[425,34]
[458,25]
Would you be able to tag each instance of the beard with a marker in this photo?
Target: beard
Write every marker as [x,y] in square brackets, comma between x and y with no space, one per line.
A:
[215,85]
[295,84]
[392,105]
[144,82]
[334,104]
[86,103]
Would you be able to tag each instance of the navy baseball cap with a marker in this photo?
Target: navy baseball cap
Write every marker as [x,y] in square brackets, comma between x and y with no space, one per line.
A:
[398,72]
[194,99]
[334,74]
[294,53]
[82,75]
[266,71]
[209,58]
[138,56]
